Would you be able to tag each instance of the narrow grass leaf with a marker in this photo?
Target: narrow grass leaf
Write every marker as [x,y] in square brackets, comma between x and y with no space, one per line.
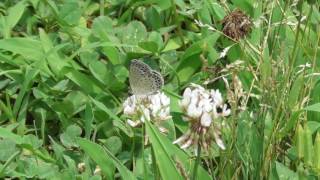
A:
[300,141]
[316,153]
[295,91]
[308,146]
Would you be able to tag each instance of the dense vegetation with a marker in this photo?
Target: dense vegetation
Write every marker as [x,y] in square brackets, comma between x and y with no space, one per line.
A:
[64,69]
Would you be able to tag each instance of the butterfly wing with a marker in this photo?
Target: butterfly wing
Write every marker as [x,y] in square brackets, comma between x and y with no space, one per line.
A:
[140,78]
[157,81]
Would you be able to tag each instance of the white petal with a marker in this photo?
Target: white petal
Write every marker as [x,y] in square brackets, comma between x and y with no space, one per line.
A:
[185,101]
[155,100]
[165,100]
[187,144]
[194,111]
[206,120]
[187,92]
[217,98]
[219,141]
[129,110]
[146,115]
[181,138]
[226,112]
[208,106]
[162,129]
[194,98]
[133,123]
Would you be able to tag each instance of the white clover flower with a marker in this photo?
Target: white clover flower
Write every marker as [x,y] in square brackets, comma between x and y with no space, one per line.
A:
[141,108]
[202,108]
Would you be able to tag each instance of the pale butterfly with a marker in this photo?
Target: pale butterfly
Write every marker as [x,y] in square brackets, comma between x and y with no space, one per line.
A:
[143,80]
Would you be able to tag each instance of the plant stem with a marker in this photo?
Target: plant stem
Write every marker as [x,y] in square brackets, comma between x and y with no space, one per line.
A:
[195,168]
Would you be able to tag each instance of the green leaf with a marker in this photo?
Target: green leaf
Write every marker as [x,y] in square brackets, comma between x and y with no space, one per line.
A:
[100,71]
[14,15]
[290,124]
[54,61]
[153,18]
[88,120]
[105,159]
[167,155]
[167,168]
[114,144]
[70,13]
[149,46]
[316,153]
[68,138]
[308,146]
[285,173]
[218,11]
[105,109]
[313,107]
[7,134]
[123,127]
[295,91]
[8,148]
[190,62]
[87,83]
[26,47]
[102,27]
[299,141]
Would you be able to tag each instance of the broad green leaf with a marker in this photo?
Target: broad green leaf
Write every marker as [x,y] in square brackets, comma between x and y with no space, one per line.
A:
[87,83]
[70,13]
[14,15]
[105,109]
[117,122]
[105,159]
[100,71]
[149,46]
[218,11]
[26,47]
[114,144]
[313,107]
[285,173]
[166,165]
[190,62]
[68,138]
[102,27]
[54,61]
[153,18]
[168,155]
[7,134]
[8,148]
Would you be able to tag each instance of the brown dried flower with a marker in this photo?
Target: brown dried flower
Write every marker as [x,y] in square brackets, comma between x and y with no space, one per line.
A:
[236,25]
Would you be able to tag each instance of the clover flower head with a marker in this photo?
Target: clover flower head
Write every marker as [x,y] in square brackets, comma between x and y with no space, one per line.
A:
[141,108]
[201,109]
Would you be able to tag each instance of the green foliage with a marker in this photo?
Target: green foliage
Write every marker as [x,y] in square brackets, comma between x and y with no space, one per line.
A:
[64,76]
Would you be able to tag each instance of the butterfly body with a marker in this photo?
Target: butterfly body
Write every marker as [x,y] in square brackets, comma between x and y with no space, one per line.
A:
[143,80]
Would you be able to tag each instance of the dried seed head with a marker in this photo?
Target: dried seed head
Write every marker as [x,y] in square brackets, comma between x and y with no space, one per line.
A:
[236,25]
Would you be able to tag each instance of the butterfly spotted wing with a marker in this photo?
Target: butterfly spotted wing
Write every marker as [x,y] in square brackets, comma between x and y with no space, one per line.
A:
[143,80]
